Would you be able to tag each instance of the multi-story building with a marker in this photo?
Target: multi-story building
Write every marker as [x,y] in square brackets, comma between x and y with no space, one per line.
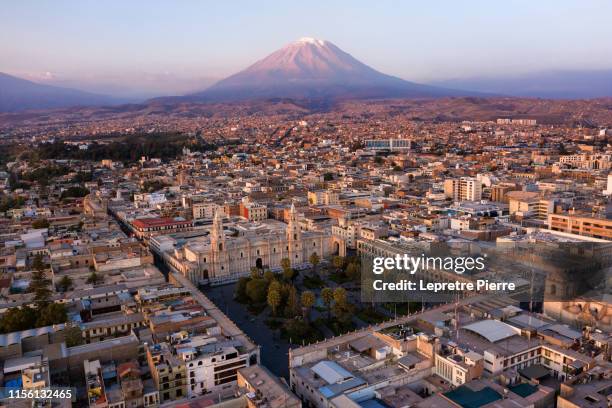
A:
[388,144]
[263,389]
[457,366]
[203,210]
[253,211]
[323,197]
[149,200]
[463,189]
[581,225]
[526,204]
[210,363]
[168,372]
[499,192]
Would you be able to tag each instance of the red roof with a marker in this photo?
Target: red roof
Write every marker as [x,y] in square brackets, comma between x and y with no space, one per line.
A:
[158,222]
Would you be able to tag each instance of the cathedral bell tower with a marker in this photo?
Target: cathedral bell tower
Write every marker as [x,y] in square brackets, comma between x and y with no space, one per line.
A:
[218,251]
[294,238]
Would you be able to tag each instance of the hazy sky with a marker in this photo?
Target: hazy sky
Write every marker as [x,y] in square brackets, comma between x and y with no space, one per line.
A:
[189,43]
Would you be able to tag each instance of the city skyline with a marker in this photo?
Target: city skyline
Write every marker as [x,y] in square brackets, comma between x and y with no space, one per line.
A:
[176,49]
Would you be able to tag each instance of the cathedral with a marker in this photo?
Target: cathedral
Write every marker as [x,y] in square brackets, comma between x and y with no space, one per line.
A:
[219,258]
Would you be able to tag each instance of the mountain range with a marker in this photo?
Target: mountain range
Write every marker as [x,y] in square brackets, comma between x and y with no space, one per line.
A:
[18,94]
[312,69]
[569,84]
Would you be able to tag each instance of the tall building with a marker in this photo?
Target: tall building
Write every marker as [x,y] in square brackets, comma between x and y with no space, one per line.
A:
[463,189]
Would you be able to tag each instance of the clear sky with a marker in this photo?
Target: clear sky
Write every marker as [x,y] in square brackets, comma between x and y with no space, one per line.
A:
[192,42]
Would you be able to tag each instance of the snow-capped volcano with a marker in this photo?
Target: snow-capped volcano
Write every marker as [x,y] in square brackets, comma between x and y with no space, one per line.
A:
[313,68]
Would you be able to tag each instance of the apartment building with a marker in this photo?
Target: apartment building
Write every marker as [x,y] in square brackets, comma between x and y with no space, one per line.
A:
[581,225]
[211,363]
[168,372]
[457,366]
[203,210]
[253,211]
[526,204]
[323,197]
[463,189]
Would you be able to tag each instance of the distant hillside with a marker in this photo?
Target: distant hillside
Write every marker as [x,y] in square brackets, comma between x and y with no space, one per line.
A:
[18,94]
[594,112]
[550,84]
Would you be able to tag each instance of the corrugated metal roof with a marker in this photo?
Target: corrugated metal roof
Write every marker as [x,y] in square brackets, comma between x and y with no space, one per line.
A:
[492,330]
[331,372]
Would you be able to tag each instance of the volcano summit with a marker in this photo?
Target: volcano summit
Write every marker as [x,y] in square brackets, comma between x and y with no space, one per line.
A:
[312,68]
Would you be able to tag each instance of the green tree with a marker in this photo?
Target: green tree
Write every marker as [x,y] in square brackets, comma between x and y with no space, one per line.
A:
[255,273]
[73,336]
[8,202]
[285,264]
[269,276]
[256,290]
[74,192]
[38,263]
[340,296]
[39,285]
[240,293]
[17,319]
[353,271]
[274,299]
[338,262]
[40,223]
[293,303]
[288,274]
[93,278]
[308,300]
[53,313]
[342,308]
[65,283]
[327,295]
[314,260]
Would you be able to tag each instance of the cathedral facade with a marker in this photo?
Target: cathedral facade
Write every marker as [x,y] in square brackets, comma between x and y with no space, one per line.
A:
[223,258]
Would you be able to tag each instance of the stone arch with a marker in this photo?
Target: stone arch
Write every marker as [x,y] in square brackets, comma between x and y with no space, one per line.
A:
[338,246]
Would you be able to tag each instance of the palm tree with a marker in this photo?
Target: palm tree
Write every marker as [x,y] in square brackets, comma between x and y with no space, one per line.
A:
[255,273]
[338,262]
[340,296]
[308,301]
[327,295]
[274,299]
[314,260]
[352,271]
[293,306]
